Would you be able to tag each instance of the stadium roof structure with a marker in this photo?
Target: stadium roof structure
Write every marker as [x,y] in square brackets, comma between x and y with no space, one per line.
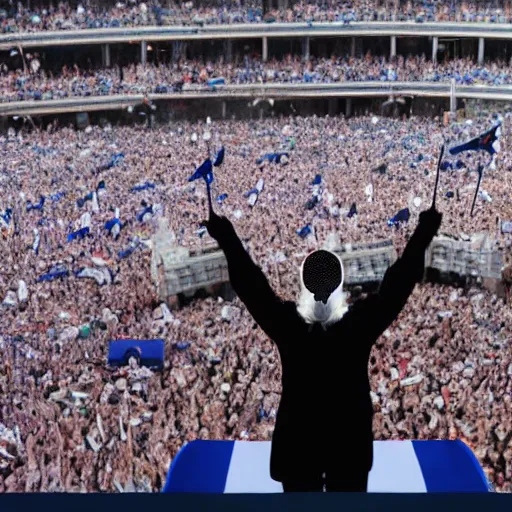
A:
[226,467]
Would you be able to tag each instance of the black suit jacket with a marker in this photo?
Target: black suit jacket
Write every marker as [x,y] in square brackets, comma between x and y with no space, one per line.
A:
[325,416]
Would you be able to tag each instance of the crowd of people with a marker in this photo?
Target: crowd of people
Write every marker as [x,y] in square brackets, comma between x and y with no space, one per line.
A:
[37,84]
[79,213]
[133,13]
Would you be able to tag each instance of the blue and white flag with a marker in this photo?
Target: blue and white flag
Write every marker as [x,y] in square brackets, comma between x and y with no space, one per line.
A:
[222,198]
[149,212]
[215,82]
[255,192]
[55,273]
[488,141]
[134,244]
[6,216]
[205,171]
[78,235]
[100,275]
[81,202]
[85,220]
[114,225]
[101,187]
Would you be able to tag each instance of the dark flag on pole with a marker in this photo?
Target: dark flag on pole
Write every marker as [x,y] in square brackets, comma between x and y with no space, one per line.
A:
[488,141]
[401,216]
[205,171]
[219,158]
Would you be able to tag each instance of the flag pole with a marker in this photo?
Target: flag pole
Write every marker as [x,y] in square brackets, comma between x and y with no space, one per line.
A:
[209,193]
[433,207]
[480,173]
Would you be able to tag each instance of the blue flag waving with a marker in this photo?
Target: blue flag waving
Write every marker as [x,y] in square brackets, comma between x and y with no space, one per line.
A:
[401,216]
[304,232]
[219,158]
[80,234]
[7,215]
[58,196]
[38,206]
[115,160]
[221,198]
[205,171]
[111,223]
[54,273]
[488,141]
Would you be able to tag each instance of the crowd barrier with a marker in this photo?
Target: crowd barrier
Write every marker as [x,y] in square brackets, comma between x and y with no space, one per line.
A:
[271,91]
[254,31]
[176,271]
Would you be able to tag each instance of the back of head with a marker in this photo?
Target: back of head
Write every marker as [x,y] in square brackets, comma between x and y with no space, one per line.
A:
[322,298]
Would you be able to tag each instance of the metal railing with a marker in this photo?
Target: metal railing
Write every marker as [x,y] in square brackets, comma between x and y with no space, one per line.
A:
[274,91]
[254,31]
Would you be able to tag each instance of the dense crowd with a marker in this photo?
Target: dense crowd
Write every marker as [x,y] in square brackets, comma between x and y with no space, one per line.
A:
[63,16]
[36,84]
[68,422]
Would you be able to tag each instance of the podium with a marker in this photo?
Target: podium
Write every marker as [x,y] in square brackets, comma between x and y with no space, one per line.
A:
[226,467]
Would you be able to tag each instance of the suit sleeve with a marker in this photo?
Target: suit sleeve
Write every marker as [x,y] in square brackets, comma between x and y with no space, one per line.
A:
[253,289]
[400,280]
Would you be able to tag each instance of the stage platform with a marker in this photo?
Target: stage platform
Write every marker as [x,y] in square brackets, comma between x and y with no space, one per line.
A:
[232,476]
[490,502]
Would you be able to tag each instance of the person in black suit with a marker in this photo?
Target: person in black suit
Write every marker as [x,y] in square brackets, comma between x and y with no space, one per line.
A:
[323,433]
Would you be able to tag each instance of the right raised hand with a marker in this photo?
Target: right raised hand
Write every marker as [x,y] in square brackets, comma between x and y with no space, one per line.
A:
[430,221]
[218,227]
[431,218]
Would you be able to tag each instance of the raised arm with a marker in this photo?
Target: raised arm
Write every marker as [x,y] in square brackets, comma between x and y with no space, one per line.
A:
[401,278]
[248,280]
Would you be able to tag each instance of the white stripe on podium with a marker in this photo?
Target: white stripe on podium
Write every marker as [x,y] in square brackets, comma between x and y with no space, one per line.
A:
[249,470]
[395,468]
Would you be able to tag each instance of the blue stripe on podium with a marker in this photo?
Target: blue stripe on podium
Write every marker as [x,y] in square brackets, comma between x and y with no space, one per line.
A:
[212,472]
[438,459]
